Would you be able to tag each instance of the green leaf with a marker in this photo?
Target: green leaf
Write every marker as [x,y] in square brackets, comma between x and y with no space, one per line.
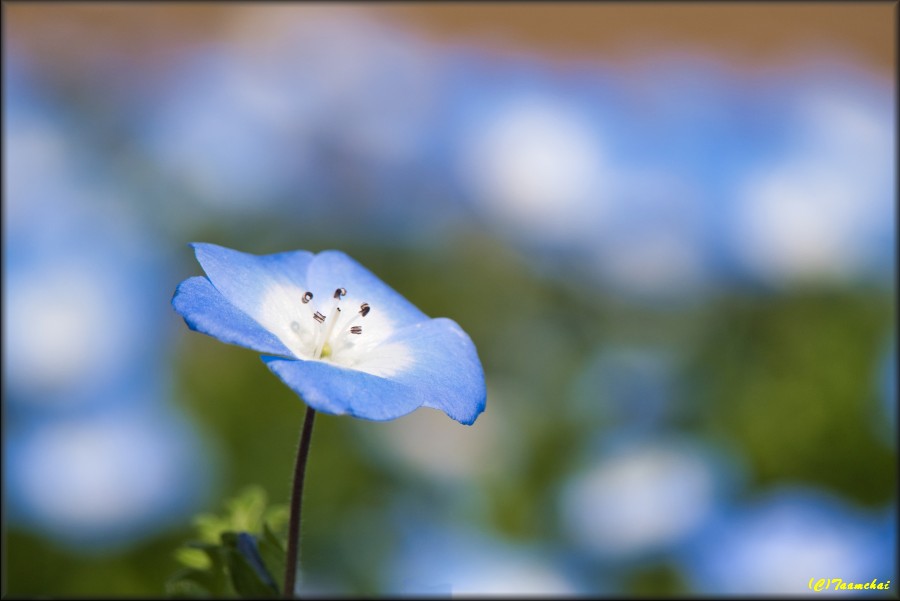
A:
[246,510]
[248,575]
[193,558]
[194,584]
[272,552]
[238,553]
[210,527]
[277,517]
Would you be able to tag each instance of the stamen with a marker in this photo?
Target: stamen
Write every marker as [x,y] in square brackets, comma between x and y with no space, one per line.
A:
[363,311]
[328,329]
[323,345]
[305,309]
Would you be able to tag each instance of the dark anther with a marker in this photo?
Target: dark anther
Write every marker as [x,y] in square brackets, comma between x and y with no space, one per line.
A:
[307,297]
[356,330]
[364,309]
[319,317]
[340,292]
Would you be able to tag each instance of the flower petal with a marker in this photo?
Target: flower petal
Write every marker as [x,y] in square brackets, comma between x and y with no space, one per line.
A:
[439,368]
[329,388]
[332,269]
[268,288]
[205,310]
[445,371]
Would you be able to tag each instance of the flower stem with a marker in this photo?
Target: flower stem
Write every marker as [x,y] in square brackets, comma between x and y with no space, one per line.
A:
[293,541]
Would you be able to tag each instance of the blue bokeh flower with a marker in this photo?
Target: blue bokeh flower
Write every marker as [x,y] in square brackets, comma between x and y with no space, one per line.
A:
[334,333]
[819,205]
[329,118]
[96,454]
[775,545]
[437,558]
[225,135]
[530,151]
[103,479]
[645,497]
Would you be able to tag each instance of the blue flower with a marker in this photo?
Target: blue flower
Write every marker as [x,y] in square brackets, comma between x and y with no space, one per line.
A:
[640,498]
[777,543]
[334,333]
[106,479]
[438,557]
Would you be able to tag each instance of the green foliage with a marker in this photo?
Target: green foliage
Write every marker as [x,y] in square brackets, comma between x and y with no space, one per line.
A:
[238,553]
[791,381]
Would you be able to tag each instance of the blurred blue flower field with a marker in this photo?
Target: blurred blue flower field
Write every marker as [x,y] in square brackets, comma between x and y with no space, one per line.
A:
[678,270]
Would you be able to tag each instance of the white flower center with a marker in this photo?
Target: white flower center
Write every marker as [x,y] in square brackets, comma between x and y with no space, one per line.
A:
[343,330]
[327,339]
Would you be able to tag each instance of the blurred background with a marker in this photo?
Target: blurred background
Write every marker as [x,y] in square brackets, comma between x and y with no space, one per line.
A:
[670,230]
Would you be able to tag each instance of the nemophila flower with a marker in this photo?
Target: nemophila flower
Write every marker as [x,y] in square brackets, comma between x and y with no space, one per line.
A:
[437,557]
[820,206]
[334,333]
[644,497]
[99,480]
[777,543]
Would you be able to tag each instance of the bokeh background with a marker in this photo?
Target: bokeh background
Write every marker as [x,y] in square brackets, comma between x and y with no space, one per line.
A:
[670,230]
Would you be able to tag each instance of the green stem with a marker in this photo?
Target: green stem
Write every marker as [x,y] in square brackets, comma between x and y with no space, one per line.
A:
[293,541]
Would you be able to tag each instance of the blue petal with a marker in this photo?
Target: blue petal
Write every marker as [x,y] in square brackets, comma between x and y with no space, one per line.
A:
[246,280]
[332,269]
[331,389]
[205,310]
[447,373]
